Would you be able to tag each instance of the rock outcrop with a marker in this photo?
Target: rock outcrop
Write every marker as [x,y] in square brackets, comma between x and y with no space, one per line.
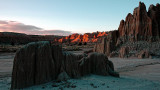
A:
[108,43]
[33,64]
[39,62]
[140,26]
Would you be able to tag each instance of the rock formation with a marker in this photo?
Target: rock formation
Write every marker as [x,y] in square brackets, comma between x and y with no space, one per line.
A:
[140,26]
[39,62]
[143,54]
[87,37]
[108,44]
[33,64]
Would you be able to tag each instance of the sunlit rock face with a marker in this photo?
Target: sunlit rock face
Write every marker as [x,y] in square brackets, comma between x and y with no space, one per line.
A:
[87,37]
[40,62]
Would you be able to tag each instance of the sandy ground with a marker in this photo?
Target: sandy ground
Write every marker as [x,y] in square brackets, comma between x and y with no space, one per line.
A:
[95,82]
[138,68]
[135,74]
[6,64]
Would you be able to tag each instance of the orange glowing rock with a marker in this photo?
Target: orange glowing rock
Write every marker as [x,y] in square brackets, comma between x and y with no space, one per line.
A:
[60,40]
[87,37]
[101,34]
[73,36]
[94,40]
[66,37]
[77,39]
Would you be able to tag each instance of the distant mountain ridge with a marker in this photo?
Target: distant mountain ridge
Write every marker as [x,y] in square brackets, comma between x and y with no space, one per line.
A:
[21,38]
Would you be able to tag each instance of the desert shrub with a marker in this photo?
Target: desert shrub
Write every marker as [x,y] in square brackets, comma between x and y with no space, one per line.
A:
[85,43]
[12,43]
[80,43]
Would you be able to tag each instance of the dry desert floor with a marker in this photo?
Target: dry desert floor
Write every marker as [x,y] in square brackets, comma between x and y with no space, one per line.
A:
[135,74]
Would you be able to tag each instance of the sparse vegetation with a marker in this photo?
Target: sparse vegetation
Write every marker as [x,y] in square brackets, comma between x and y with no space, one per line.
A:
[80,43]
[85,43]
[9,48]
[72,48]
[76,47]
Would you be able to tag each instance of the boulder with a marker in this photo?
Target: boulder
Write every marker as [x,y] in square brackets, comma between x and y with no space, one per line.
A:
[63,76]
[95,63]
[143,54]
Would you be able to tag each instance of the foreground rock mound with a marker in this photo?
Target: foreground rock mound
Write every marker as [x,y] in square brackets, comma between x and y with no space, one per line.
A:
[33,64]
[39,62]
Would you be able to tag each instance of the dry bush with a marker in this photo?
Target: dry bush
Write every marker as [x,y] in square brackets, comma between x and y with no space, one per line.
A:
[72,48]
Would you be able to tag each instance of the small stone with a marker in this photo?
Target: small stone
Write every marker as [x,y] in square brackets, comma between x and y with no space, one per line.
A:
[43,87]
[54,85]
[94,86]
[103,84]
[60,88]
[73,86]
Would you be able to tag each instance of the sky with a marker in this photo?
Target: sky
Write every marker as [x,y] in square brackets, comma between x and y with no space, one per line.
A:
[63,17]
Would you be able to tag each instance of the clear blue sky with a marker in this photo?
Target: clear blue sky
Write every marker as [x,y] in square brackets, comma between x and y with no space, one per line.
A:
[70,15]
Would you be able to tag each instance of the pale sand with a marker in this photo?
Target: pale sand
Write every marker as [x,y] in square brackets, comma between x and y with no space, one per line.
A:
[141,74]
[6,64]
[138,68]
